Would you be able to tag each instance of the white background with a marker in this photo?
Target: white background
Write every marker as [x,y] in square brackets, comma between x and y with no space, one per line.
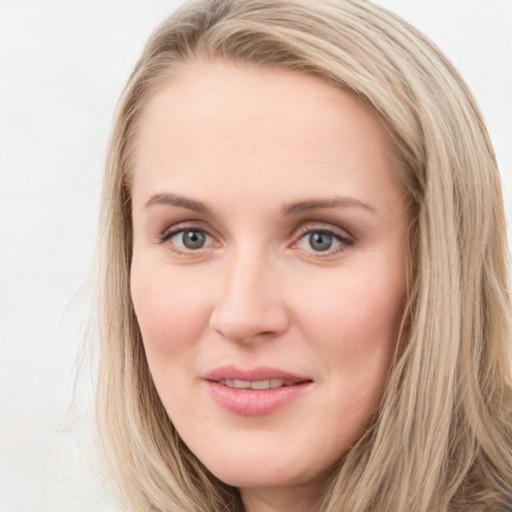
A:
[63,64]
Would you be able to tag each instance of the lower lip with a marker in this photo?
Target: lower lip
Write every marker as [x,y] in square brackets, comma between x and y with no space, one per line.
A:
[251,402]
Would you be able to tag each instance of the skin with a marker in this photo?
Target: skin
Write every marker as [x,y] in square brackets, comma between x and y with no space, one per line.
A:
[247,142]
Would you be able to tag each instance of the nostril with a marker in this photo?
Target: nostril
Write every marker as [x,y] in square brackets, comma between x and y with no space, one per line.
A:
[246,310]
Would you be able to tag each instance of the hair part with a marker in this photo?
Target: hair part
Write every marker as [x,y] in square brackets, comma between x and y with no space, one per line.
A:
[441,439]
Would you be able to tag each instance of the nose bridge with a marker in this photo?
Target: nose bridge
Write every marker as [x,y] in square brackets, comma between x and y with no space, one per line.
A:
[249,303]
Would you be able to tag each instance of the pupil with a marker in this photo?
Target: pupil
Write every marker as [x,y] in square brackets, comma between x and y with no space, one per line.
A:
[320,241]
[193,239]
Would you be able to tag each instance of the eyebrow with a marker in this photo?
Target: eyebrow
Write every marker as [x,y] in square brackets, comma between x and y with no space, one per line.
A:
[287,210]
[174,200]
[322,204]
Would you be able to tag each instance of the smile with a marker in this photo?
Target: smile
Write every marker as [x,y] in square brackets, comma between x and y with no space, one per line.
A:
[254,392]
[256,384]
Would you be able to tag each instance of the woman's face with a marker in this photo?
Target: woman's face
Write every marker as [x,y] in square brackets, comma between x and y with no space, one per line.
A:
[268,272]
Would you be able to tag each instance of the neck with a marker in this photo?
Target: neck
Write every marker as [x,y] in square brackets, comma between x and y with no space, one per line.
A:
[280,500]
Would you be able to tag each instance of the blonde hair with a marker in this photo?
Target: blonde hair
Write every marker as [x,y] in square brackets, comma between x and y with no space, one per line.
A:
[441,439]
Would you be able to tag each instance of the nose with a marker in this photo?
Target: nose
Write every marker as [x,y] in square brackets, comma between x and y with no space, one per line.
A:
[250,306]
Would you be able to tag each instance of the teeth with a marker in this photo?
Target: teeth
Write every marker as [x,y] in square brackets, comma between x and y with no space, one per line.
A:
[276,383]
[238,384]
[256,384]
[260,384]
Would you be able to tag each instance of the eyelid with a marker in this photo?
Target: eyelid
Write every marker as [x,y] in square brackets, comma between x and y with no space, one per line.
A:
[172,230]
[345,238]
[342,235]
[326,227]
[167,234]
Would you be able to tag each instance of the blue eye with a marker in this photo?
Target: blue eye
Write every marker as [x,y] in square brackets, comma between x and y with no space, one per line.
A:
[320,241]
[188,239]
[323,240]
[193,239]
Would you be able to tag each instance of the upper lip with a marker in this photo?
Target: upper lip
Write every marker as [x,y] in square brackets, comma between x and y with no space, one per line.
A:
[252,374]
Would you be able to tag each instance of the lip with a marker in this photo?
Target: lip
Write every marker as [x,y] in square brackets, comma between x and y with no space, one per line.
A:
[258,373]
[249,402]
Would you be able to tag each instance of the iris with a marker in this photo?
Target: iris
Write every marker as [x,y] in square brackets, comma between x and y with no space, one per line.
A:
[193,239]
[320,241]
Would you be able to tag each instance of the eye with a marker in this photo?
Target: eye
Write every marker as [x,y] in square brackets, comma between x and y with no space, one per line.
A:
[320,241]
[187,239]
[192,239]
[324,241]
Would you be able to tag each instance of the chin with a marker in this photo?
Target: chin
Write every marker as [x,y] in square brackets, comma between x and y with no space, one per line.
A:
[255,468]
[258,476]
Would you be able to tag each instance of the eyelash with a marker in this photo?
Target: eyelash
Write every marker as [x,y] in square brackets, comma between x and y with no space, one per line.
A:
[345,241]
[181,228]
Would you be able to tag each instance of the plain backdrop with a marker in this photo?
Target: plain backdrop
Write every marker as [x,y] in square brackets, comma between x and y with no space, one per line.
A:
[63,64]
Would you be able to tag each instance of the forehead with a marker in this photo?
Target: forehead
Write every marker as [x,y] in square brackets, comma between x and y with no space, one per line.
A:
[218,123]
[253,97]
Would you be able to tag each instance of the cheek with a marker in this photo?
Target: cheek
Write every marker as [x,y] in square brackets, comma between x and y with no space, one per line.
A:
[172,315]
[359,308]
[354,325]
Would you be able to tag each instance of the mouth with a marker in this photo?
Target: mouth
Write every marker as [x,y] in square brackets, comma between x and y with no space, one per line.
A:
[258,384]
[254,392]
[254,378]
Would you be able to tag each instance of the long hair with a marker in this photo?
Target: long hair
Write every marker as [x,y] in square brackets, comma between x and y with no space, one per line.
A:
[441,438]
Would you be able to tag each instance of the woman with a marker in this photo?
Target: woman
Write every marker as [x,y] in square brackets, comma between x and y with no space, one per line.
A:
[304,270]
